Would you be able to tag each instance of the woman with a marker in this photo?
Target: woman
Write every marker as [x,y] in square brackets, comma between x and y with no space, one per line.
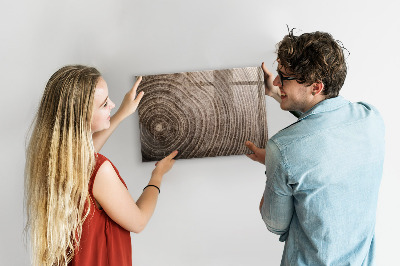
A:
[78,207]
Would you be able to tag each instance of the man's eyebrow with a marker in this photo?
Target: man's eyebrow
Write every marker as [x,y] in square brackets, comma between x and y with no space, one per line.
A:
[283,74]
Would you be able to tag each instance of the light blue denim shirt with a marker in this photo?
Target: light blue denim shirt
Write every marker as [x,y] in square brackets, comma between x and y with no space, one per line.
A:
[323,176]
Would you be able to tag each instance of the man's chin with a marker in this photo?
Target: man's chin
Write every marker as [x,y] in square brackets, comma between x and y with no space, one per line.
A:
[285,108]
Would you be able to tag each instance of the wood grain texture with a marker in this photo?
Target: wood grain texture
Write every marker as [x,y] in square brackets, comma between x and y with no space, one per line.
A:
[202,114]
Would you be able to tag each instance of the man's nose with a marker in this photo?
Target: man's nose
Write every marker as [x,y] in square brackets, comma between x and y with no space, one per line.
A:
[277,81]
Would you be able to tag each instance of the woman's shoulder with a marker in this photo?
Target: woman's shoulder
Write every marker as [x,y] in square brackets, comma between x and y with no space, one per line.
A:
[100,158]
[102,165]
[99,161]
[105,167]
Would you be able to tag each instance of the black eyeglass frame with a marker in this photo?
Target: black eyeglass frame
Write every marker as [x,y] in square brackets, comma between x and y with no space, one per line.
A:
[282,78]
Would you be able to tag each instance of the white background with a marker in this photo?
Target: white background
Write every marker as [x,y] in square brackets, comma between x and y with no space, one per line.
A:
[208,208]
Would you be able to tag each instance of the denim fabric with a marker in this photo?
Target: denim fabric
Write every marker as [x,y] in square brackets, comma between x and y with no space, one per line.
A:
[323,176]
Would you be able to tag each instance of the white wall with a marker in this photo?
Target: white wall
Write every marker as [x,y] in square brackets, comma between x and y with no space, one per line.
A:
[208,208]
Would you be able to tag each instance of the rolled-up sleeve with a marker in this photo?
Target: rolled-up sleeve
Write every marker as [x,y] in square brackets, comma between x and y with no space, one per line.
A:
[277,209]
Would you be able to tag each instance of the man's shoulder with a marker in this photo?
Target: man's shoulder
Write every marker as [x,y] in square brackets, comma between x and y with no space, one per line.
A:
[366,113]
[326,121]
[367,108]
[290,134]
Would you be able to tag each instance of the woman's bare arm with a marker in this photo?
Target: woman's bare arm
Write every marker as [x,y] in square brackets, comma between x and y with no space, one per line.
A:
[128,107]
[116,201]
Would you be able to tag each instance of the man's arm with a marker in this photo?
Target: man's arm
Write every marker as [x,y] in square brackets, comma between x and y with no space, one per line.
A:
[261,203]
[276,211]
[272,90]
[128,107]
[276,206]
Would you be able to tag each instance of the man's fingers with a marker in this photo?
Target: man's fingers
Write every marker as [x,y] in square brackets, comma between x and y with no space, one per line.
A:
[265,69]
[251,156]
[251,146]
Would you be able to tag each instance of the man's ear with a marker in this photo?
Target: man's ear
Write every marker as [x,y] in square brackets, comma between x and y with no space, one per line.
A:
[317,88]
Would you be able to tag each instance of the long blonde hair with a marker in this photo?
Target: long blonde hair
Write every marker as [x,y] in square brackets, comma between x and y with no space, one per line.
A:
[59,161]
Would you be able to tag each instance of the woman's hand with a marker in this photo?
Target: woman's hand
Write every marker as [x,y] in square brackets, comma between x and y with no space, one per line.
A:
[131,101]
[115,199]
[128,107]
[163,166]
[270,89]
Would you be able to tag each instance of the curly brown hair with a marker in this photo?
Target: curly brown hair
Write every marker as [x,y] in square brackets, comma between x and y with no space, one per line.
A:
[314,57]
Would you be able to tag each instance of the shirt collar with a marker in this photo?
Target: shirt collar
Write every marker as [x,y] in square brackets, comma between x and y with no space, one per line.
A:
[325,106]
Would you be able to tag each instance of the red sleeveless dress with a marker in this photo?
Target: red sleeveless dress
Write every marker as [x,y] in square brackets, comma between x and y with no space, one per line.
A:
[103,241]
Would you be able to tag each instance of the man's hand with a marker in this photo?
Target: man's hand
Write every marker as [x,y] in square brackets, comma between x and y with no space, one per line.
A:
[258,155]
[270,89]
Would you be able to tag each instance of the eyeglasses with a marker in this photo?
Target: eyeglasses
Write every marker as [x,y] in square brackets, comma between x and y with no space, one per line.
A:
[282,78]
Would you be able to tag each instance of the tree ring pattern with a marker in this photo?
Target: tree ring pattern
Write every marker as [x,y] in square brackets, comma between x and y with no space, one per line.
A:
[202,114]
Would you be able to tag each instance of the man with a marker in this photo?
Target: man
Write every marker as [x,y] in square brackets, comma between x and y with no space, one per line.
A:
[323,171]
